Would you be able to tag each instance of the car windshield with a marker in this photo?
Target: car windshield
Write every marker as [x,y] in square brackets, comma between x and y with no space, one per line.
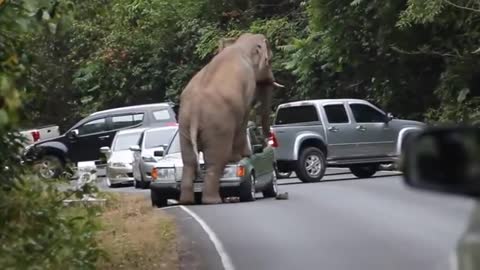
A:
[159,137]
[175,145]
[124,141]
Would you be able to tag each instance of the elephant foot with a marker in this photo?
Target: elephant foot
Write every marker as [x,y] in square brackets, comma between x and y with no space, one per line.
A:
[211,199]
[187,198]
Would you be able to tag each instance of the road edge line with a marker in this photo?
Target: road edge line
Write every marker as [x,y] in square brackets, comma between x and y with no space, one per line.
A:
[226,261]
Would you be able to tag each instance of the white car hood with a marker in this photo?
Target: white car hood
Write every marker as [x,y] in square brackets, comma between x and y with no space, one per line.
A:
[124,156]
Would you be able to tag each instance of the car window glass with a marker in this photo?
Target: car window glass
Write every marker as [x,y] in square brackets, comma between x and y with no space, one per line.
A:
[137,118]
[366,114]
[157,138]
[297,114]
[336,114]
[93,126]
[122,121]
[124,141]
[175,145]
[162,115]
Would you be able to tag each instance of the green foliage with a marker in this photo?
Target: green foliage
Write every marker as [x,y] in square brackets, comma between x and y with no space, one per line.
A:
[38,232]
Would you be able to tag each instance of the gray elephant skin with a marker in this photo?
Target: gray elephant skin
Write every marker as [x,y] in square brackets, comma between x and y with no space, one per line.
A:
[214,111]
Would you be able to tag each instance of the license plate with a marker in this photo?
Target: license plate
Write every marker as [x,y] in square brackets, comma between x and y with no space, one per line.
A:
[197,187]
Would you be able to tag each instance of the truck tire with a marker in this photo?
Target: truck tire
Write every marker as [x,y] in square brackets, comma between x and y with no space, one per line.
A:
[49,167]
[364,171]
[311,165]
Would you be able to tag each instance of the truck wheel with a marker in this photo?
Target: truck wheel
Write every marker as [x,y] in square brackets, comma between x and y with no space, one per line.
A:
[364,171]
[311,165]
[49,167]
[247,190]
[158,200]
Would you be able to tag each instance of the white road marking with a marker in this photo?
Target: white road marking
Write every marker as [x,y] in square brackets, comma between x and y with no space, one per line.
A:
[226,261]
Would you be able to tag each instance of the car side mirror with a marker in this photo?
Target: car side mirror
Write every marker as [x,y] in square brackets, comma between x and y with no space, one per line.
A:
[135,148]
[105,150]
[257,148]
[389,117]
[73,134]
[159,153]
[444,160]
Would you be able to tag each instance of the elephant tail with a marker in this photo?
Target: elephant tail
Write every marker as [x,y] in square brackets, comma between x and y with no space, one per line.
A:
[194,141]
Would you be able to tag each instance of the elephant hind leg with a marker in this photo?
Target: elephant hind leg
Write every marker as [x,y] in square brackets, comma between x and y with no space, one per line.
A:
[190,165]
[216,158]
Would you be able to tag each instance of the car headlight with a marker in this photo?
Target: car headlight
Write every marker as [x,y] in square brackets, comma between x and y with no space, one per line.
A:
[149,159]
[164,174]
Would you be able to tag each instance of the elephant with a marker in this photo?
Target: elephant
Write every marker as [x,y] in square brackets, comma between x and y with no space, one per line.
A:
[215,107]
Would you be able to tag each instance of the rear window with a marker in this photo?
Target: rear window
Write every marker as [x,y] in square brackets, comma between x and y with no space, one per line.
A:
[297,114]
[157,138]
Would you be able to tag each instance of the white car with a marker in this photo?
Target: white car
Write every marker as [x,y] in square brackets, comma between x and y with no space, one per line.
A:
[120,158]
[152,140]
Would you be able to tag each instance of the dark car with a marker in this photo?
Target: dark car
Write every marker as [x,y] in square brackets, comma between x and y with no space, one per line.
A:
[83,141]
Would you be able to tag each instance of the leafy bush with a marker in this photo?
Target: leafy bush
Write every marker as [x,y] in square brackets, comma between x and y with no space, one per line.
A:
[38,231]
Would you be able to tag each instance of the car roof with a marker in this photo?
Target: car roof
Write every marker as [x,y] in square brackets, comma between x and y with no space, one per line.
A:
[132,108]
[321,101]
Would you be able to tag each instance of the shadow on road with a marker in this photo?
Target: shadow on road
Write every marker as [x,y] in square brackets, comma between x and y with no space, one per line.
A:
[350,178]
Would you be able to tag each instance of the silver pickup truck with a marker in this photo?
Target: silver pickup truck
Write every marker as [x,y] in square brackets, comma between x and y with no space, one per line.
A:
[313,134]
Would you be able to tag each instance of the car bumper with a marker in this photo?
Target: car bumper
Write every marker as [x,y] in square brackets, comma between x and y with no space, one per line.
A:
[171,190]
[119,175]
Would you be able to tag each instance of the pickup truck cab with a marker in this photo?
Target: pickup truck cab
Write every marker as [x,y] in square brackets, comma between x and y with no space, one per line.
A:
[83,141]
[353,133]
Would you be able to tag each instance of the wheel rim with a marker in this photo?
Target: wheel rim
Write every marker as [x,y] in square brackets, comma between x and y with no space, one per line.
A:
[47,169]
[252,186]
[313,165]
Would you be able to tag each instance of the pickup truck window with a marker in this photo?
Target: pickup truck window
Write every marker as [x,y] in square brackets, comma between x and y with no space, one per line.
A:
[366,114]
[336,114]
[129,120]
[297,114]
[94,126]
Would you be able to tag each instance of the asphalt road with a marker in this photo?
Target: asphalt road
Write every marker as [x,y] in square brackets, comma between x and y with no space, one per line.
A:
[340,223]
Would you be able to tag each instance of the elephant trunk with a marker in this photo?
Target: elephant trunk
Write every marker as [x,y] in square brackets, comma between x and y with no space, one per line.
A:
[264,94]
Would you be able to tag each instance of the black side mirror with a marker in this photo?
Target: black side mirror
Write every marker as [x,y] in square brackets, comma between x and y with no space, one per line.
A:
[159,153]
[257,148]
[445,160]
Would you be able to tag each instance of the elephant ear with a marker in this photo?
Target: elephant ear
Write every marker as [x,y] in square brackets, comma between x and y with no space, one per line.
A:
[267,52]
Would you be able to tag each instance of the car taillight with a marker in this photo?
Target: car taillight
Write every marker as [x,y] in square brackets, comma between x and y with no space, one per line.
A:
[272,140]
[35,135]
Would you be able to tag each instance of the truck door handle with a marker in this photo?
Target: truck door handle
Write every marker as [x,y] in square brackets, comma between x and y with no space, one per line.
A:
[333,129]
[361,128]
[104,137]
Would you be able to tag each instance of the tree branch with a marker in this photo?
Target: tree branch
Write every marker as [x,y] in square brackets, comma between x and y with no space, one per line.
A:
[442,54]
[462,7]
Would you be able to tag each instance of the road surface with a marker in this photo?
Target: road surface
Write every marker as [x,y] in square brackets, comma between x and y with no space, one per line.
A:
[340,223]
